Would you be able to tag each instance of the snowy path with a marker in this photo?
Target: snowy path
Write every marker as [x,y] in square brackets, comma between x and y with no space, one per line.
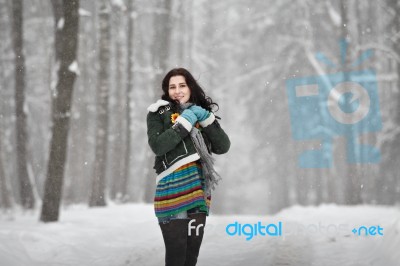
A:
[128,235]
[302,245]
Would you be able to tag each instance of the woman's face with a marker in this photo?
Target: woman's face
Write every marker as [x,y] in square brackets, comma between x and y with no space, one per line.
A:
[178,89]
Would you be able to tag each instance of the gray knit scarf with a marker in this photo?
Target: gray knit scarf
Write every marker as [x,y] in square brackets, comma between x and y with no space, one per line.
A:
[207,161]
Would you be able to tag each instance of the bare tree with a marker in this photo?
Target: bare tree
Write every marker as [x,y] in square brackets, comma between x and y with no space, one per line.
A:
[396,46]
[77,181]
[160,55]
[129,86]
[161,45]
[5,193]
[26,193]
[117,181]
[61,110]
[395,197]
[97,196]
[389,186]
[5,48]
[58,13]
[352,189]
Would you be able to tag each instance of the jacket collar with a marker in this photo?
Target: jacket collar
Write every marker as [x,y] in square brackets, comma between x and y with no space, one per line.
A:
[154,106]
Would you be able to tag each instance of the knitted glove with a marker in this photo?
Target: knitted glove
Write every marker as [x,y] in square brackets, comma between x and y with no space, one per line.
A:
[201,113]
[189,116]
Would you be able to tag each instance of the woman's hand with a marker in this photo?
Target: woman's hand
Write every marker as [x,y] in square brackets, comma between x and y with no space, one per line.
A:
[201,113]
[190,116]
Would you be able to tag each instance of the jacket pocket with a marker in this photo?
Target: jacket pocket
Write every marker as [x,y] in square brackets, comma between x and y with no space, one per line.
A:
[177,153]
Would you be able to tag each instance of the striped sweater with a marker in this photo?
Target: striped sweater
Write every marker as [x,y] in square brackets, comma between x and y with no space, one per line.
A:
[181,190]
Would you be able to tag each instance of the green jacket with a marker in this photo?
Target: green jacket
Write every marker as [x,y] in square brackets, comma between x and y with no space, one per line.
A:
[172,144]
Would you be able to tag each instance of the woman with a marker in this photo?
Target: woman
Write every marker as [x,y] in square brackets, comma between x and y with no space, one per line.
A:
[183,132]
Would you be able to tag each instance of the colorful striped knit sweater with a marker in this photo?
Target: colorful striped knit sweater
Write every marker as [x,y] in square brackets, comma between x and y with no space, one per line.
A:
[181,190]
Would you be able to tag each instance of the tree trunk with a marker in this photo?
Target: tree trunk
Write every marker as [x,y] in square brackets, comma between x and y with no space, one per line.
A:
[77,185]
[117,179]
[396,46]
[58,13]
[188,36]
[97,197]
[5,193]
[352,180]
[390,188]
[160,55]
[395,185]
[6,200]
[61,112]
[161,44]
[129,86]
[26,193]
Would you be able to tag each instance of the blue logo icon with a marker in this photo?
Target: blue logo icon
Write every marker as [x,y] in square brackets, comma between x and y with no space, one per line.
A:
[345,104]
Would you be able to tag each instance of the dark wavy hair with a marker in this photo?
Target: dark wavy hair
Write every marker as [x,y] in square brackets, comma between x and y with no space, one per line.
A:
[197,95]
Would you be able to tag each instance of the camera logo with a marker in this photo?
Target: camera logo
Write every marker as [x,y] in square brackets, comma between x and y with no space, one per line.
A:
[345,104]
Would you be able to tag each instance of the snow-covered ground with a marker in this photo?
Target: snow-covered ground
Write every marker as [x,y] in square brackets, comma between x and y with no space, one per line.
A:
[129,235]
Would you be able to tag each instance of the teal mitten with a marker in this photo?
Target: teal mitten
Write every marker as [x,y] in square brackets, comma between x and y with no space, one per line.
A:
[189,116]
[201,113]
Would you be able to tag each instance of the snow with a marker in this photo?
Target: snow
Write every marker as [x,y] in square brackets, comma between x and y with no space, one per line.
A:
[84,13]
[119,3]
[60,24]
[73,67]
[129,235]
[335,16]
